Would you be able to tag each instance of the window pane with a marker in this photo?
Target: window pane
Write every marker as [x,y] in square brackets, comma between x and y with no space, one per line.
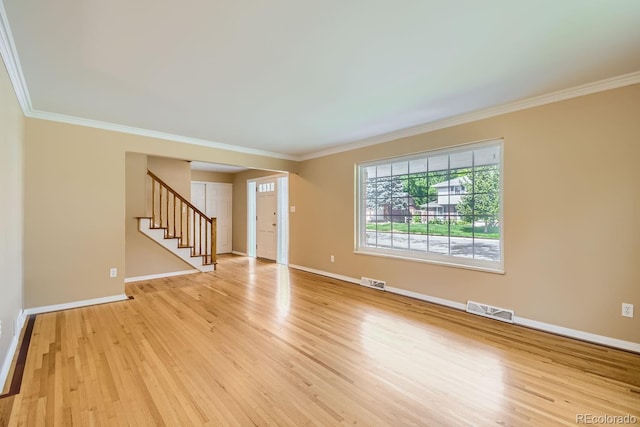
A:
[400,168]
[383,170]
[418,165]
[486,156]
[461,160]
[462,247]
[438,244]
[438,163]
[437,177]
[382,185]
[370,172]
[400,241]
[370,188]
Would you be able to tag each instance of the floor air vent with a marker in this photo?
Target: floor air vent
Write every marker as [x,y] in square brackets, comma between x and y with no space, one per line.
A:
[373,283]
[485,310]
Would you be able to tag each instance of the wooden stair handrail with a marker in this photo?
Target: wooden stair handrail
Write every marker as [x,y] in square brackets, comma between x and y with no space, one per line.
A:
[175,193]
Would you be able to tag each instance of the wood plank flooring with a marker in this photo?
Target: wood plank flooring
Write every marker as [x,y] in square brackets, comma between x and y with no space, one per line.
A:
[255,343]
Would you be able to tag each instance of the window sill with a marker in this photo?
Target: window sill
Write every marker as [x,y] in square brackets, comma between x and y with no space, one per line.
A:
[485,269]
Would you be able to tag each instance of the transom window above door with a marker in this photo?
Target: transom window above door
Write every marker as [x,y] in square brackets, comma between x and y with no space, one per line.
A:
[266,187]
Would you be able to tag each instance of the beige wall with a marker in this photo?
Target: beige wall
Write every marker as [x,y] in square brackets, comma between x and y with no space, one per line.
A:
[175,173]
[240,206]
[74,215]
[571,215]
[75,197]
[206,176]
[143,256]
[11,194]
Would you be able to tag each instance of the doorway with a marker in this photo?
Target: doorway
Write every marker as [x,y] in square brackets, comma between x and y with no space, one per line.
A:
[268,218]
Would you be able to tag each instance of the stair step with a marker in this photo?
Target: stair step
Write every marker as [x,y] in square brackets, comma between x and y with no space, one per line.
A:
[175,244]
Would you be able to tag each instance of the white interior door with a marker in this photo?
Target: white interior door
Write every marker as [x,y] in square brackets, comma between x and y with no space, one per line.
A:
[215,200]
[266,218]
[198,195]
[219,205]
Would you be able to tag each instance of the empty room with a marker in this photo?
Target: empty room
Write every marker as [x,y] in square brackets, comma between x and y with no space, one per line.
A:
[330,213]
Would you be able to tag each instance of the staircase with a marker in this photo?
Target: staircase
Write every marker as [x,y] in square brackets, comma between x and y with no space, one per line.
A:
[179,227]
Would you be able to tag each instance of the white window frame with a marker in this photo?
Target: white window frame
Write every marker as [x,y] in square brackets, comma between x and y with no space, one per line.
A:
[418,255]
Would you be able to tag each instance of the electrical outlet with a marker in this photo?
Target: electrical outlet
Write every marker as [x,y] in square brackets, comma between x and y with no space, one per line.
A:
[113,272]
[627,309]
[332,258]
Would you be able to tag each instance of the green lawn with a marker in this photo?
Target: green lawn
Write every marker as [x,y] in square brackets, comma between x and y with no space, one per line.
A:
[457,230]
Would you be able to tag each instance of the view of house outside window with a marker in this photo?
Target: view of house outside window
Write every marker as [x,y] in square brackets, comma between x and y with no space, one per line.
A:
[442,206]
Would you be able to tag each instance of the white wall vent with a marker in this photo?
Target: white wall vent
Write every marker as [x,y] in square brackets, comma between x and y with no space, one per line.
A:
[373,283]
[485,310]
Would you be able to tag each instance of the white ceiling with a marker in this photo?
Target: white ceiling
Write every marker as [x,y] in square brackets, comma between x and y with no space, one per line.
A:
[298,77]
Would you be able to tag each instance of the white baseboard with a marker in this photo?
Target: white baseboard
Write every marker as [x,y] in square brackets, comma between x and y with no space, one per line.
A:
[159,276]
[75,304]
[11,351]
[581,335]
[326,274]
[238,253]
[529,323]
[427,298]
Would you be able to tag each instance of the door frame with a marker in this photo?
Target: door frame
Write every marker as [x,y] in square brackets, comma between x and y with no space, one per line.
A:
[282,203]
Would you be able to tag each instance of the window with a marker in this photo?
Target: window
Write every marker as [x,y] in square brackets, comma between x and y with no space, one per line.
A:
[441,206]
[266,188]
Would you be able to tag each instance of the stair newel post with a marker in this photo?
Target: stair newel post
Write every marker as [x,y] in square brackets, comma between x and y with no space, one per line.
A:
[214,235]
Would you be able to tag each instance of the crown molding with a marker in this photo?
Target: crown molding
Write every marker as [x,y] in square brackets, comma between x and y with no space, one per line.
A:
[12,62]
[561,95]
[62,118]
[10,57]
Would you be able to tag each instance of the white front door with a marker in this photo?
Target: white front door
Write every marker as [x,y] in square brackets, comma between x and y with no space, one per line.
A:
[267,218]
[215,200]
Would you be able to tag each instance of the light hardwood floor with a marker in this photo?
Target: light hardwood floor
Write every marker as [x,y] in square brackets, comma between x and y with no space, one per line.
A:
[258,344]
